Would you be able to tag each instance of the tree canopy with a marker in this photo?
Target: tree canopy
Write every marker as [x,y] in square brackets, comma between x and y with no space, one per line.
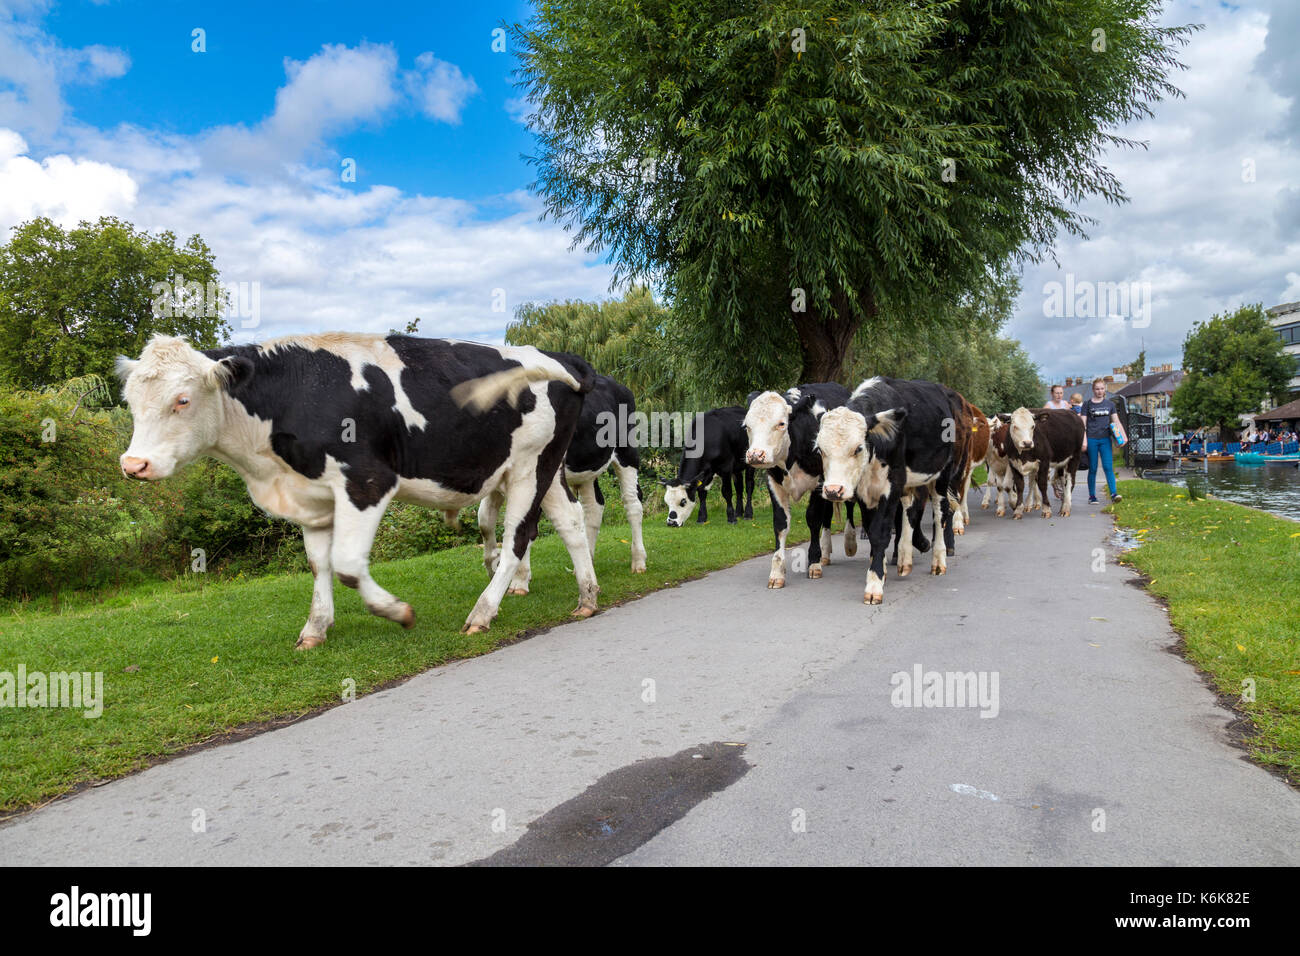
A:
[794,171]
[71,301]
[1234,362]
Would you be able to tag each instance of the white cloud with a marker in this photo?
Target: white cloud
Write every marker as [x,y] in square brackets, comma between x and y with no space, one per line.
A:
[67,190]
[1206,239]
[439,89]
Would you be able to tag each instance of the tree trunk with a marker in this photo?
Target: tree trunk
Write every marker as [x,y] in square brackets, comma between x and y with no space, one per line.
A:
[825,338]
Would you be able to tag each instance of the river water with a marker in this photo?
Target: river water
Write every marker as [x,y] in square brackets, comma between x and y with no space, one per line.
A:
[1274,488]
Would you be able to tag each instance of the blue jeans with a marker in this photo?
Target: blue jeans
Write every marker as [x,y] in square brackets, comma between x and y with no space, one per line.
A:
[1100,448]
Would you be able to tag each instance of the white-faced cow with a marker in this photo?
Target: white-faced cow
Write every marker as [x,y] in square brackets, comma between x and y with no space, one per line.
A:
[327,429]
[891,439]
[999,484]
[1040,441]
[782,432]
[597,445]
[719,453]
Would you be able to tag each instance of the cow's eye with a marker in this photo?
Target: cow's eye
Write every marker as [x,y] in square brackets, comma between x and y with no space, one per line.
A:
[860,449]
[682,503]
[181,401]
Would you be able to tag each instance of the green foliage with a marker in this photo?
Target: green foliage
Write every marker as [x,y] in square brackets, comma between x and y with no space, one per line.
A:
[71,301]
[1234,361]
[629,339]
[962,350]
[866,158]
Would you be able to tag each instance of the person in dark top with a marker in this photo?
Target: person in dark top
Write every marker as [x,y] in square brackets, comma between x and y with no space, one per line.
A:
[1099,414]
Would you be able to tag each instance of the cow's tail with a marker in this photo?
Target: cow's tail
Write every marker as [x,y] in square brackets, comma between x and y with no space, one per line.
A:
[480,394]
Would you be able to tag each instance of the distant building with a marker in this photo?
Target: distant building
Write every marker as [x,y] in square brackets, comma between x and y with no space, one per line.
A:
[1285,319]
[1152,391]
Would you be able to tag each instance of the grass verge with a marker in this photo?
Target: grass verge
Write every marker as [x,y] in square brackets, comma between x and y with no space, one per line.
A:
[188,663]
[1230,576]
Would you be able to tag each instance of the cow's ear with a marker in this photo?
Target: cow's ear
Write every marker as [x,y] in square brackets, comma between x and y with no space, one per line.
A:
[232,371]
[1040,416]
[124,367]
[804,402]
[753,395]
[887,423]
[1004,416]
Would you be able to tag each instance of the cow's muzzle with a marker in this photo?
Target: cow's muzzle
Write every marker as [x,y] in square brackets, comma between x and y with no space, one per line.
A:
[833,492]
[756,456]
[140,468]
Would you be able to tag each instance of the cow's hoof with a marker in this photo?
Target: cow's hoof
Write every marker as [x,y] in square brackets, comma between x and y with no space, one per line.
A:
[984,507]
[1001,513]
[904,570]
[938,569]
[1047,512]
[407,617]
[638,567]
[749,515]
[583,611]
[731,519]
[775,583]
[850,545]
[1064,513]
[473,628]
[826,559]
[870,598]
[519,592]
[1017,516]
[815,570]
[306,642]
[951,551]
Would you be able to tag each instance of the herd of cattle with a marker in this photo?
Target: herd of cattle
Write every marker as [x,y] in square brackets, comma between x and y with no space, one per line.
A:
[327,429]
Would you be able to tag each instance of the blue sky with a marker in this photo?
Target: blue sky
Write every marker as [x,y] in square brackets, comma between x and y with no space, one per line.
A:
[173,89]
[105,109]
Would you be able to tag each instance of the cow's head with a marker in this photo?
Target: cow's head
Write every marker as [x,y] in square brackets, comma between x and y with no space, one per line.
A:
[175,396]
[767,422]
[851,444]
[1021,432]
[680,499]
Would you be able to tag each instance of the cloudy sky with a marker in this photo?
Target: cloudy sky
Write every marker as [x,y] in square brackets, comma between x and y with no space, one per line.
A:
[110,108]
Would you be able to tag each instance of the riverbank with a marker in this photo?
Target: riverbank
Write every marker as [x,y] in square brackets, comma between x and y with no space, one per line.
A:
[1230,576]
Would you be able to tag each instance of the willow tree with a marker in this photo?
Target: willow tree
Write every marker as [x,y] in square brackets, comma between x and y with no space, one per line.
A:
[792,171]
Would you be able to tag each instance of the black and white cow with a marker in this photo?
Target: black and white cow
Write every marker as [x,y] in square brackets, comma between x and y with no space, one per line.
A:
[720,452]
[892,438]
[327,429]
[598,444]
[782,431]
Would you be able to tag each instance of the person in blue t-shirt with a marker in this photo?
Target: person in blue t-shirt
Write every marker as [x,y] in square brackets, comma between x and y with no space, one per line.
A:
[1098,415]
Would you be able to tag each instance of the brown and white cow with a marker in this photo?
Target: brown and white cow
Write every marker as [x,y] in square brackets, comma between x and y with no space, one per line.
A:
[971,445]
[1040,441]
[327,429]
[999,484]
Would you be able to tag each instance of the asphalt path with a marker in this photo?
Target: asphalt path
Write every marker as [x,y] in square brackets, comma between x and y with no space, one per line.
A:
[723,723]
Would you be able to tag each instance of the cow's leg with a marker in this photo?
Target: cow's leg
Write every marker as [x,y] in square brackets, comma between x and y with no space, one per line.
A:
[850,530]
[965,507]
[593,511]
[780,528]
[828,521]
[354,534]
[1044,473]
[1022,488]
[317,542]
[880,523]
[566,516]
[818,513]
[1068,492]
[488,510]
[703,516]
[749,492]
[726,496]
[990,489]
[631,494]
[904,544]
[523,504]
[942,529]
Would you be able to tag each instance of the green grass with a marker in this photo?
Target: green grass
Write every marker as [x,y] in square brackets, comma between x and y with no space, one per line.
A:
[206,657]
[1231,577]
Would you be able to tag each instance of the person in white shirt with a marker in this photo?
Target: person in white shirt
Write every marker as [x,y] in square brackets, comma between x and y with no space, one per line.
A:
[1058,398]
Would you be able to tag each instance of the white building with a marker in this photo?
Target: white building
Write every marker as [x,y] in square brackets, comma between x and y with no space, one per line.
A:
[1285,319]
